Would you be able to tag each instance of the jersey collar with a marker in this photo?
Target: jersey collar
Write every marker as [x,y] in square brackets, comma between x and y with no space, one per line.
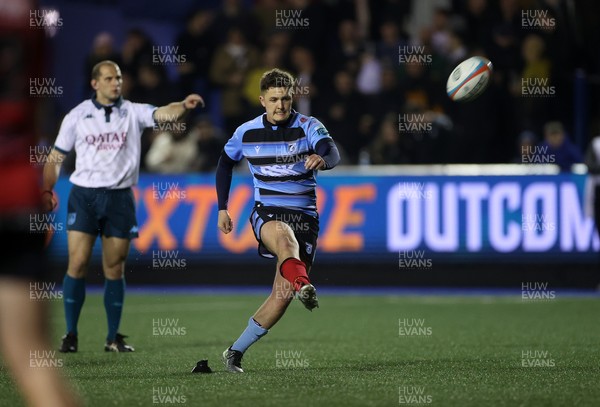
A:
[100,106]
[287,123]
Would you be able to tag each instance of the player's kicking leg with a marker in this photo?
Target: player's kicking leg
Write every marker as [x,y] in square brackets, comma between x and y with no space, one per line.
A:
[114,254]
[291,277]
[80,249]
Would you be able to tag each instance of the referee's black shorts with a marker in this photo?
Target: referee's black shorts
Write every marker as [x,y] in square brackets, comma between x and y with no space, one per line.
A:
[305,227]
[107,212]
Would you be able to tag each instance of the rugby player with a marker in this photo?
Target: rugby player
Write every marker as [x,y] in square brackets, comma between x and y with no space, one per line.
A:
[284,149]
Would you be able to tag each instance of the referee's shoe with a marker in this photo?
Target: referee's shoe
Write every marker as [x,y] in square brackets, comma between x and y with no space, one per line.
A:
[118,345]
[69,343]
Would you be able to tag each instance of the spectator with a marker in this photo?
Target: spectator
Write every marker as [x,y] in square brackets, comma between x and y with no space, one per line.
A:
[534,108]
[210,140]
[391,41]
[344,107]
[477,21]
[152,86]
[525,147]
[197,44]
[272,58]
[389,147]
[232,15]
[558,148]
[345,55]
[137,50]
[232,62]
[173,150]
[306,92]
[440,31]
[102,49]
[389,98]
[368,81]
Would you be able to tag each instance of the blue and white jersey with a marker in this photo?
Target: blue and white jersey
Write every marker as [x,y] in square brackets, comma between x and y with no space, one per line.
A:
[276,156]
[107,141]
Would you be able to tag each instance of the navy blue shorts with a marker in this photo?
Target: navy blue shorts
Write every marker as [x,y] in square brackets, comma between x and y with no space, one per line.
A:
[305,227]
[107,212]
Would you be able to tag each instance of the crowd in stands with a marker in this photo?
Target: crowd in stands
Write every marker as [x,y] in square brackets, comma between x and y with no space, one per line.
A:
[364,68]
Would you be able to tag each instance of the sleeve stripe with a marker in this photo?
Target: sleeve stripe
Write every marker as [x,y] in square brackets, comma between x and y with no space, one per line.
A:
[60,150]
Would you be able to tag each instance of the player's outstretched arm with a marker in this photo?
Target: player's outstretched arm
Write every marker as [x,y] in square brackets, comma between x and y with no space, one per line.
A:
[50,177]
[176,110]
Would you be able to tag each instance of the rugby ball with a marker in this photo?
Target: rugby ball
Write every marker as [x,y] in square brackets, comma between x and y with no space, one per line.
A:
[469,79]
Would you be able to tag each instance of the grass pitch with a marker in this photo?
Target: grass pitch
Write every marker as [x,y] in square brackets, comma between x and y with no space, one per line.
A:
[353,351]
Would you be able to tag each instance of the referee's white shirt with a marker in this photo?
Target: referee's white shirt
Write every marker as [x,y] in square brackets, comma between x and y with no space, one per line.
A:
[107,142]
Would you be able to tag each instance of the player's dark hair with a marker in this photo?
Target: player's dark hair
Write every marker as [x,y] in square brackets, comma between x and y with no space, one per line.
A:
[96,68]
[276,78]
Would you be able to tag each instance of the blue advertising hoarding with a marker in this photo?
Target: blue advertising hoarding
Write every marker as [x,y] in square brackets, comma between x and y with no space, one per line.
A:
[530,218]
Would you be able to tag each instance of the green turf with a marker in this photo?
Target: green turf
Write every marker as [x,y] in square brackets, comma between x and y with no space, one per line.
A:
[346,353]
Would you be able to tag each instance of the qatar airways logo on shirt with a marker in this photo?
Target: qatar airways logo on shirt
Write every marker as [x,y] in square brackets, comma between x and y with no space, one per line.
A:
[107,141]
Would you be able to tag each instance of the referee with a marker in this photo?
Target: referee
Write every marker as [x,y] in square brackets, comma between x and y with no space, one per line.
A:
[105,132]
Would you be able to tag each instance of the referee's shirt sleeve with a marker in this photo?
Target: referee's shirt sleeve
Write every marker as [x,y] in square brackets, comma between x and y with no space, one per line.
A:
[65,141]
[144,114]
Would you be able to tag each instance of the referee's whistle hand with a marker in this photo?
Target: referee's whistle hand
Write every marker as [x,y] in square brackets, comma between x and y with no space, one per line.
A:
[224,222]
[192,101]
[48,202]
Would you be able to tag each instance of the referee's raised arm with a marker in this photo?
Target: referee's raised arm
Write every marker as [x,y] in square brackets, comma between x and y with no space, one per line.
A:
[176,110]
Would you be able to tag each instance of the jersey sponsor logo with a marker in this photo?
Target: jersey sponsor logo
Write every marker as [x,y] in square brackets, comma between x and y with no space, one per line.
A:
[303,119]
[322,131]
[292,148]
[257,148]
[88,116]
[71,218]
[107,141]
